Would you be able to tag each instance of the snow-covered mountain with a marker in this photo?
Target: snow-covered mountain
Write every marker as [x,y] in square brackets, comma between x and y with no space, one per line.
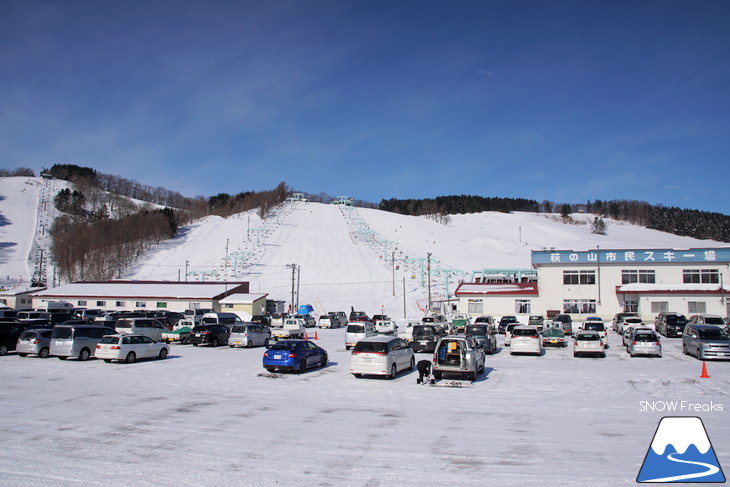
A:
[343,255]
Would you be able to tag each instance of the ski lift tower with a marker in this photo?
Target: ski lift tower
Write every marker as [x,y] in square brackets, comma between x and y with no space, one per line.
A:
[421,261]
[447,275]
[258,231]
[239,255]
[387,243]
[202,274]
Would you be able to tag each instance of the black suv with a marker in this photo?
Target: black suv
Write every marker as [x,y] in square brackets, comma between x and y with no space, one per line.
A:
[504,321]
[9,333]
[670,324]
[263,319]
[425,337]
[212,334]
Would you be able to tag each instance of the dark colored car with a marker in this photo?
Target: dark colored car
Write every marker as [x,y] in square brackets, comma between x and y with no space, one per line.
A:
[504,321]
[566,321]
[57,318]
[359,316]
[167,318]
[484,335]
[670,324]
[213,335]
[9,334]
[296,355]
[263,319]
[425,337]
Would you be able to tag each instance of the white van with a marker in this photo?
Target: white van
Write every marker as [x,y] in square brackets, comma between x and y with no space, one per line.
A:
[228,319]
[356,331]
[196,314]
[56,307]
[381,356]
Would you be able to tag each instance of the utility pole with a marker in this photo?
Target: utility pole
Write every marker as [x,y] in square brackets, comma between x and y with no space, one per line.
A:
[428,269]
[293,270]
[299,272]
[225,262]
[186,270]
[392,261]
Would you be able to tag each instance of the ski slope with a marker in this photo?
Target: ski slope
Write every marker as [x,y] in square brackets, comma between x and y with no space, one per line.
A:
[345,254]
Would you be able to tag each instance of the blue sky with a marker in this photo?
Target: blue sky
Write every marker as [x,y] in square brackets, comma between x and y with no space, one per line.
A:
[566,101]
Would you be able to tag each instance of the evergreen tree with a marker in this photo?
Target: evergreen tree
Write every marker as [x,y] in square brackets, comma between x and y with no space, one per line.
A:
[599,226]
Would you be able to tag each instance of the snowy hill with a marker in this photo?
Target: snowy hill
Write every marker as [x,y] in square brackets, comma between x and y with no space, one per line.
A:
[345,253]
[26,216]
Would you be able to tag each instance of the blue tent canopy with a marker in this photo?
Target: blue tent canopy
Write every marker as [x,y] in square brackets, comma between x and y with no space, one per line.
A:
[305,309]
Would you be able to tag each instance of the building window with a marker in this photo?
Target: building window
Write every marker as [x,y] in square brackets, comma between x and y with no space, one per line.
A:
[695,307]
[522,306]
[475,306]
[80,303]
[227,306]
[101,303]
[579,277]
[642,276]
[161,304]
[140,304]
[120,304]
[659,306]
[580,306]
[631,306]
[701,276]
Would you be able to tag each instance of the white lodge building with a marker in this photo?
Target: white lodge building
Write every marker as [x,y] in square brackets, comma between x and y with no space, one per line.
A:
[604,282]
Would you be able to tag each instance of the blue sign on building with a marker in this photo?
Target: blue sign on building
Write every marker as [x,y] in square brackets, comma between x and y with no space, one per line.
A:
[631,256]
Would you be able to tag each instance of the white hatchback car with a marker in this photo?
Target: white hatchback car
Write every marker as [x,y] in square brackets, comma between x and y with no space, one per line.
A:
[644,342]
[589,343]
[130,347]
[525,339]
[381,355]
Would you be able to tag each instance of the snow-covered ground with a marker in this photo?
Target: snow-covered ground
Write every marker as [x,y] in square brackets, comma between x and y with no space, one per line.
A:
[207,417]
[215,417]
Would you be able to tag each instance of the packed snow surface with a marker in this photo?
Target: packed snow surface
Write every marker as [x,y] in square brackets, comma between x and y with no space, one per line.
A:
[213,416]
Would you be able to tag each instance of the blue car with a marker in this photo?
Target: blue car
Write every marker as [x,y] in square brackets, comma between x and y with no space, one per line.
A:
[296,355]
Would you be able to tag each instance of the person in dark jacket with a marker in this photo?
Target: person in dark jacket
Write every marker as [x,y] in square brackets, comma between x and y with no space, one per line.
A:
[424,370]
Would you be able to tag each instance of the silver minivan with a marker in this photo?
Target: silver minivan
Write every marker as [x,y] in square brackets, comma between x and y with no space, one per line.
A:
[356,331]
[77,340]
[705,341]
[248,335]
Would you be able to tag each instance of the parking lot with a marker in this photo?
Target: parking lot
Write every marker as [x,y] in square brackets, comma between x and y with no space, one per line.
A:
[214,416]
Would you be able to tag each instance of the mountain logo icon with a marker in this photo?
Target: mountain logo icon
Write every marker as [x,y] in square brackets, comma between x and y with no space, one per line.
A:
[681,452]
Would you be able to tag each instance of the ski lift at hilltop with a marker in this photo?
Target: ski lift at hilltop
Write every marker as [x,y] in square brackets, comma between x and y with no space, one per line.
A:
[342,201]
